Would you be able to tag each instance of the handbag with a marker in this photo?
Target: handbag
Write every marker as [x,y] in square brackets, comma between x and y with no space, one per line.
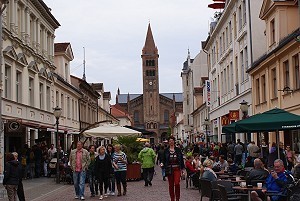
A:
[168,171]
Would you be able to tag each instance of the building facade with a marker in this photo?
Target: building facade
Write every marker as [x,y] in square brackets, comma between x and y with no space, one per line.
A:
[151,110]
[235,40]
[193,75]
[275,75]
[28,67]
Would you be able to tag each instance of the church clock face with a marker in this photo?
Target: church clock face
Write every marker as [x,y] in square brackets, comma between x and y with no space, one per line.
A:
[150,83]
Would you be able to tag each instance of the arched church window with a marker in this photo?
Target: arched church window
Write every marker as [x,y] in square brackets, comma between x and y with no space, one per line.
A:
[166,116]
[147,62]
[136,117]
[151,125]
[152,62]
[155,126]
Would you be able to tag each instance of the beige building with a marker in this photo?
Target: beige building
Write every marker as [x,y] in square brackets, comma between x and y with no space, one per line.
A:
[276,75]
[193,75]
[235,40]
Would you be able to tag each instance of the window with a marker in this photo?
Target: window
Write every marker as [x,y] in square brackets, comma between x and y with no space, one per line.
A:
[297,72]
[222,83]
[41,96]
[263,82]
[274,83]
[187,81]
[244,12]
[187,99]
[166,116]
[48,96]
[136,117]
[272,32]
[286,73]
[230,32]
[7,82]
[246,61]
[234,25]
[19,87]
[226,35]
[225,81]
[240,18]
[257,91]
[73,110]
[221,45]
[57,98]
[242,66]
[224,40]
[66,71]
[69,108]
[62,105]
[75,113]
[31,91]
[228,79]
[231,76]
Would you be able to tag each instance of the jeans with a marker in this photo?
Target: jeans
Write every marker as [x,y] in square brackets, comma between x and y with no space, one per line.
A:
[120,177]
[45,169]
[79,182]
[148,174]
[93,182]
[111,183]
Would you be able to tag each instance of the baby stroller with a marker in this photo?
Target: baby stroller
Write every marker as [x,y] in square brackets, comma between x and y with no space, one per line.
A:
[67,174]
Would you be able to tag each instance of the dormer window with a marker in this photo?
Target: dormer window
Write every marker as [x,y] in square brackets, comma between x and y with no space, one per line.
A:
[272,32]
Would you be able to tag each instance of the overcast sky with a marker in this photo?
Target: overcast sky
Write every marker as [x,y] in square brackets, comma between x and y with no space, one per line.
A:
[113,33]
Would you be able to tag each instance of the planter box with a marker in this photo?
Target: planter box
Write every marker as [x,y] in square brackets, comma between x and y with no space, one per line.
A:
[134,171]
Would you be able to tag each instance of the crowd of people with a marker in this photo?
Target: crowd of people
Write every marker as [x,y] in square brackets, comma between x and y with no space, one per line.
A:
[105,167]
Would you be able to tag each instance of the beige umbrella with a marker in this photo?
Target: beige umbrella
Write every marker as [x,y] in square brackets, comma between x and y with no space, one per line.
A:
[110,131]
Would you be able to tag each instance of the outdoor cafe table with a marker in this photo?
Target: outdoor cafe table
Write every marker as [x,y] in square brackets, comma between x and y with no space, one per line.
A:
[248,189]
[234,182]
[226,176]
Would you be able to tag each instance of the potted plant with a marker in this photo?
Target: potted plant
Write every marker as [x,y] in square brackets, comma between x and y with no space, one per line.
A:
[131,147]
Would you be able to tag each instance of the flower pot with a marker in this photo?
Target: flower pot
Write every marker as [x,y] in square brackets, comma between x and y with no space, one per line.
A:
[133,171]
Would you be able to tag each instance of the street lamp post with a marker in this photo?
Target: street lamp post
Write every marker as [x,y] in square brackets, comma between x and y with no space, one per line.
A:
[206,124]
[57,112]
[244,108]
[2,8]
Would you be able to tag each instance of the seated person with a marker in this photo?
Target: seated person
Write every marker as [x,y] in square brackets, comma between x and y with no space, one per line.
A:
[196,161]
[232,167]
[216,167]
[258,173]
[222,162]
[207,172]
[275,183]
[191,171]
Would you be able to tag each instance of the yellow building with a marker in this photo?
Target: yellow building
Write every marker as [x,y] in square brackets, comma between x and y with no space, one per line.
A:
[275,75]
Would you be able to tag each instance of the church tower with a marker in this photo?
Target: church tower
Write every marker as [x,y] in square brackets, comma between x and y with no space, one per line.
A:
[150,83]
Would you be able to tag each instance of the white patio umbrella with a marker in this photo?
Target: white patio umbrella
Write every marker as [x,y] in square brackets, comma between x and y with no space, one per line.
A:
[110,131]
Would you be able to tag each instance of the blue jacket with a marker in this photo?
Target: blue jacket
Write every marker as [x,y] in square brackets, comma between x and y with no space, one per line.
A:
[277,185]
[167,157]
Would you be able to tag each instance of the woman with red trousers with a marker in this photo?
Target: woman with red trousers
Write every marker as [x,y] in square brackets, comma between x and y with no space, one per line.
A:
[174,166]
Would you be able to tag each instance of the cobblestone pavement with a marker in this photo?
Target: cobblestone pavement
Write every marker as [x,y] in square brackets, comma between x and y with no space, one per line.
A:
[45,189]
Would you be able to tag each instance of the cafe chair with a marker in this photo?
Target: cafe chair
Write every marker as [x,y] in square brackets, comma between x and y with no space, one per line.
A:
[227,184]
[207,190]
[228,197]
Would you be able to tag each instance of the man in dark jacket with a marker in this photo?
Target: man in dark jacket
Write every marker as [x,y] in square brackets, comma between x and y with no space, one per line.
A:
[20,191]
[258,173]
[12,176]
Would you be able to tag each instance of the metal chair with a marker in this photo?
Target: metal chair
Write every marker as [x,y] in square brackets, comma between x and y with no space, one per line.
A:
[207,190]
[228,197]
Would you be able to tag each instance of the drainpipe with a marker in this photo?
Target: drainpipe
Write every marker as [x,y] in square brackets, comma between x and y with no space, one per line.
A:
[250,30]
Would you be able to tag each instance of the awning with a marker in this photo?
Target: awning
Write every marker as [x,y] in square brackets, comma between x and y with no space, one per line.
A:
[217,5]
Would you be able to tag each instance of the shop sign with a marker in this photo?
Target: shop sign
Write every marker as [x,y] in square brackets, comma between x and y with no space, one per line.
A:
[225,120]
[234,114]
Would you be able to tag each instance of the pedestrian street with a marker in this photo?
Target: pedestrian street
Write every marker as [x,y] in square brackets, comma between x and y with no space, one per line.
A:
[45,189]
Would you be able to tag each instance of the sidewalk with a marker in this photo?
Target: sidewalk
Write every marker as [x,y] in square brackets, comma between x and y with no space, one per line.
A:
[45,189]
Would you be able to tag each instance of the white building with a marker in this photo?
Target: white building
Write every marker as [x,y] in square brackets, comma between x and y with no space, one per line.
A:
[194,73]
[28,82]
[235,40]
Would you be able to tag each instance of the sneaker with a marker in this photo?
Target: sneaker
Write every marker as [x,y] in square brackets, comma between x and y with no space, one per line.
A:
[105,195]
[93,195]
[76,197]
[112,193]
[101,197]
[82,198]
